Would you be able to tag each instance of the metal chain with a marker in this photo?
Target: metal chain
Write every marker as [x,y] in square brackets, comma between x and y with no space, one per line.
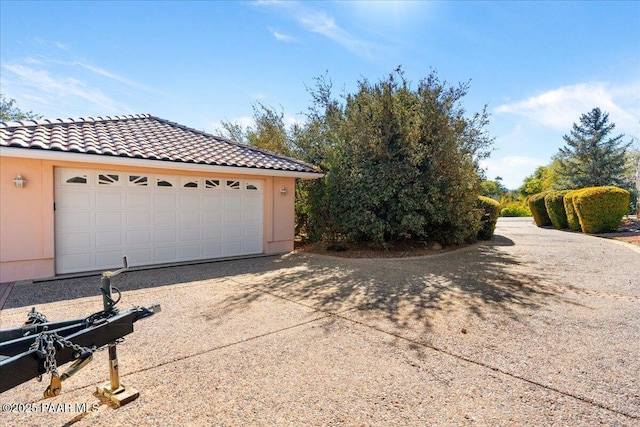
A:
[35,317]
[46,341]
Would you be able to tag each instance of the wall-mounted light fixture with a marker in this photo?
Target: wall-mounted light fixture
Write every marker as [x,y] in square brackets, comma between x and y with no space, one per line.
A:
[19,181]
[283,191]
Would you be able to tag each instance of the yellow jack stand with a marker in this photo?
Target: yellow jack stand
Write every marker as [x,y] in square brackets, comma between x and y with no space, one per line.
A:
[117,393]
[121,396]
[113,390]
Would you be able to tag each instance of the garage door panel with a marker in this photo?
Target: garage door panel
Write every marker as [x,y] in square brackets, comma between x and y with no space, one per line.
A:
[212,201]
[212,250]
[233,232]
[252,246]
[138,199]
[102,215]
[165,218]
[107,259]
[166,254]
[231,217]
[252,217]
[71,263]
[212,233]
[190,201]
[165,236]
[71,199]
[75,242]
[139,237]
[109,200]
[232,248]
[212,217]
[137,219]
[190,235]
[253,202]
[252,231]
[108,238]
[108,220]
[190,252]
[75,220]
[165,200]
[190,217]
[142,256]
[233,201]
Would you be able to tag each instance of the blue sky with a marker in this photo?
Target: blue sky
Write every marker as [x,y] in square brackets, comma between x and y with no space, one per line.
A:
[536,65]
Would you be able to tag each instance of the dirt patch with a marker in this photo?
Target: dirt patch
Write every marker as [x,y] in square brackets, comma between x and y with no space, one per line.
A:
[628,231]
[370,250]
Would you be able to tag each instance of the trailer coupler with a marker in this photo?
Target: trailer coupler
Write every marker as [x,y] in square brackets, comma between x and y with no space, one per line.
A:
[38,347]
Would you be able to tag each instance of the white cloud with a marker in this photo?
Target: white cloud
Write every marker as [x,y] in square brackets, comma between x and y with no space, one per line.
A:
[560,108]
[513,169]
[49,43]
[320,23]
[57,88]
[282,37]
[109,75]
[57,94]
[244,121]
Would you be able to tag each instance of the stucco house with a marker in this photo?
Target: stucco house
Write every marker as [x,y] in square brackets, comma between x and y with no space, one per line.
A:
[77,195]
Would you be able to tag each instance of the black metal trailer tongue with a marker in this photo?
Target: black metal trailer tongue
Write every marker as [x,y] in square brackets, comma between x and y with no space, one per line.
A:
[39,347]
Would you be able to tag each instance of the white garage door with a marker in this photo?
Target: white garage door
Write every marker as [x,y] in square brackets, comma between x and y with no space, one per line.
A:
[101,216]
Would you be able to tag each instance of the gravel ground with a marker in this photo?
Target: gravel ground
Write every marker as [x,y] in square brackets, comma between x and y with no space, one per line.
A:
[538,327]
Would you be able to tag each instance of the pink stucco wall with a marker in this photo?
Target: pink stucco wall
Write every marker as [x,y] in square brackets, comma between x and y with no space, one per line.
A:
[26,220]
[27,247]
[279,215]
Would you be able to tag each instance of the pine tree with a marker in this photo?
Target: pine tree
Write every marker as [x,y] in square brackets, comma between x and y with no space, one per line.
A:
[590,157]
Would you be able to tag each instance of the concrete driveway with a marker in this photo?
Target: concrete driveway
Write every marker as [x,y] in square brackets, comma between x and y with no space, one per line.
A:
[538,327]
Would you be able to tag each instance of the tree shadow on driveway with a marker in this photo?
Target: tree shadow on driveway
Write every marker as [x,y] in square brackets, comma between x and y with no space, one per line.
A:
[408,293]
[66,289]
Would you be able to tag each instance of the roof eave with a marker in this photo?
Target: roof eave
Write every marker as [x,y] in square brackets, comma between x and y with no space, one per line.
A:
[147,163]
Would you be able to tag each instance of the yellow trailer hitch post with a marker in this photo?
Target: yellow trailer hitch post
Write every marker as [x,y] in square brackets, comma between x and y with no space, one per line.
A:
[116,392]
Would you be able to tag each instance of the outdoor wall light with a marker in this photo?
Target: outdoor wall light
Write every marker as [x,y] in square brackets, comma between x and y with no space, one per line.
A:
[19,181]
[283,191]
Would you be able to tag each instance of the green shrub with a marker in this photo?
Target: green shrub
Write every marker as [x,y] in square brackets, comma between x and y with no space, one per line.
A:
[600,209]
[515,209]
[573,222]
[554,202]
[490,213]
[538,209]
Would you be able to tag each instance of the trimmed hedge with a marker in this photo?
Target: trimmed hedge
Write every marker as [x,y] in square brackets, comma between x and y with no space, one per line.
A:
[490,213]
[538,209]
[554,202]
[515,209]
[600,209]
[573,222]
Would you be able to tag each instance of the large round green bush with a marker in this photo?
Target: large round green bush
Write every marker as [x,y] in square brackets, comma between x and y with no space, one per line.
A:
[538,209]
[573,222]
[600,209]
[490,213]
[554,202]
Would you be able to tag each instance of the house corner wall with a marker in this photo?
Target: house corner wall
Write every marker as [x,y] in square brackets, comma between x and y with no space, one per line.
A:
[26,220]
[280,217]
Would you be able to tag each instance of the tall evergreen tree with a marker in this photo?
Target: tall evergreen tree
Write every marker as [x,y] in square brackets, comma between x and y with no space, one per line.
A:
[590,157]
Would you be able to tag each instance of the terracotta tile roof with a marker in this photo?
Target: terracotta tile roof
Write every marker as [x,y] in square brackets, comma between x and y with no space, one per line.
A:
[145,137]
